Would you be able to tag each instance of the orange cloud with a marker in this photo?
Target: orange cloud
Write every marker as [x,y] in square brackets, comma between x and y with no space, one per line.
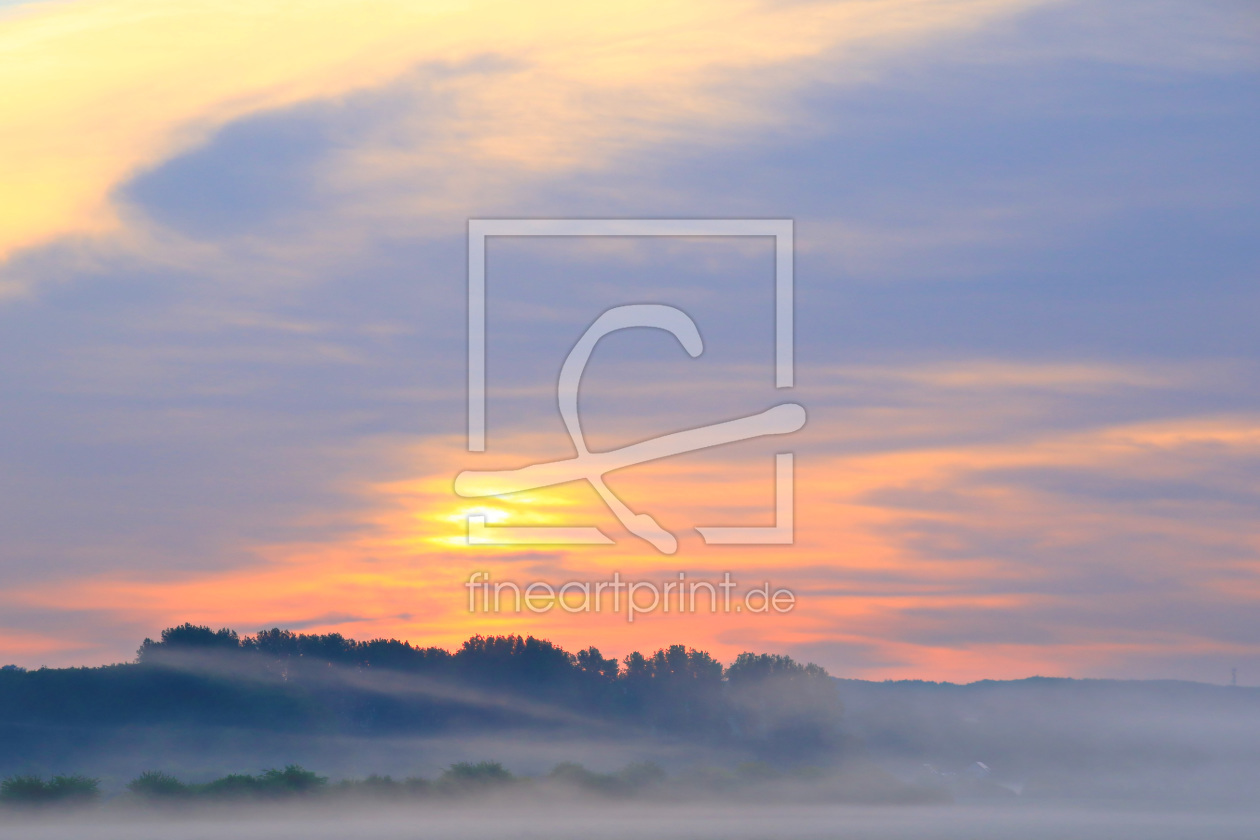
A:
[30,647]
[883,555]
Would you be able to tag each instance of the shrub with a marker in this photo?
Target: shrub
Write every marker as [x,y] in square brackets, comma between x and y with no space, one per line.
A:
[73,787]
[154,784]
[373,785]
[234,784]
[481,774]
[384,786]
[23,789]
[31,790]
[570,772]
[292,779]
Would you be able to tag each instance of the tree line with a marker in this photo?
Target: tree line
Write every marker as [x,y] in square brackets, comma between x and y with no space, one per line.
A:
[280,679]
[459,780]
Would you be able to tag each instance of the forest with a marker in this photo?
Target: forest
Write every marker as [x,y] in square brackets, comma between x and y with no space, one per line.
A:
[280,680]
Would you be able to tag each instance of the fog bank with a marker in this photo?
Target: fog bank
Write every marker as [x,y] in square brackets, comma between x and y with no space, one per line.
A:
[662,822]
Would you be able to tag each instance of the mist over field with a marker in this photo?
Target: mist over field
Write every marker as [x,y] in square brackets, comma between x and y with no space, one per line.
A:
[651,821]
[1041,740]
[514,737]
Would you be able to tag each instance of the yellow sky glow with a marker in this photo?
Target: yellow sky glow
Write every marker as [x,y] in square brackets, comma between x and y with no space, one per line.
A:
[95,91]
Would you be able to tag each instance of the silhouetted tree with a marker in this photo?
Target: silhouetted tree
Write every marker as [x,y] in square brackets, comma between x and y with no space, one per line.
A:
[529,665]
[784,706]
[591,662]
[677,689]
[189,637]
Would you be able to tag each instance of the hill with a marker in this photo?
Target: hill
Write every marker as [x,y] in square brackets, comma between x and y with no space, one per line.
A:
[279,696]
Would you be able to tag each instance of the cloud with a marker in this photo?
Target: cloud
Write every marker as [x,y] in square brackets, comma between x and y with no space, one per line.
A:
[1025,286]
[109,89]
[1002,557]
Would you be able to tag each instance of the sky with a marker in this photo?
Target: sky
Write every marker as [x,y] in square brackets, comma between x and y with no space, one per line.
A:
[233,355]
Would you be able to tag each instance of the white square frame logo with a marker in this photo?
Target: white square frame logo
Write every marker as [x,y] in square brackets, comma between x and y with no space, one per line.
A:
[782,231]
